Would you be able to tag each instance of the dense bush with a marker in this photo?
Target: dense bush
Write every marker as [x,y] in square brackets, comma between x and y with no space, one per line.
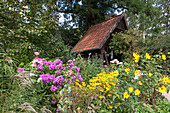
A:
[133,41]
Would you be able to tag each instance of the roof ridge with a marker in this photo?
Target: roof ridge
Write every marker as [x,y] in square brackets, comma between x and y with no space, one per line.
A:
[109,19]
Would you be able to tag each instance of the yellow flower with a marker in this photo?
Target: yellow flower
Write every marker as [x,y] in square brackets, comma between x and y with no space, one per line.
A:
[77,80]
[107,88]
[160,80]
[92,88]
[137,72]
[76,83]
[126,95]
[136,57]
[83,84]
[163,57]
[130,89]
[147,56]
[116,73]
[80,86]
[110,106]
[137,92]
[162,89]
[165,80]
[100,97]
[101,90]
[109,95]
[127,70]
[140,83]
[150,74]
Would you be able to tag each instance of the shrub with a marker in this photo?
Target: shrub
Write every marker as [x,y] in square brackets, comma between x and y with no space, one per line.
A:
[89,67]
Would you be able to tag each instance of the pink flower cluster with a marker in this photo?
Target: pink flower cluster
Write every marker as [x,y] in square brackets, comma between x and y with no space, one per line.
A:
[19,70]
[57,77]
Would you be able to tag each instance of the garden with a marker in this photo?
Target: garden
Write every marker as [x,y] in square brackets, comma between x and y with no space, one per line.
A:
[40,74]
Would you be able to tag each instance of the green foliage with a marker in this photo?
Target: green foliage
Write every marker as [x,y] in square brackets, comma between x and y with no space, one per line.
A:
[148,16]
[27,27]
[125,43]
[153,44]
[89,67]
[78,100]
[132,41]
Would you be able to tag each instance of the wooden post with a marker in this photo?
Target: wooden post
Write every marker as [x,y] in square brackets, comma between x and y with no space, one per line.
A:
[106,58]
[101,56]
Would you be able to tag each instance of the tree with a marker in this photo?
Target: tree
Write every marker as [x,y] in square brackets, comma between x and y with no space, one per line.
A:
[28,26]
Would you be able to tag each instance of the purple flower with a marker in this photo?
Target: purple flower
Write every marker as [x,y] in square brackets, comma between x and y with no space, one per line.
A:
[76,68]
[19,70]
[52,77]
[78,76]
[46,77]
[70,62]
[39,68]
[54,101]
[69,67]
[53,88]
[58,71]
[57,61]
[58,80]
[70,81]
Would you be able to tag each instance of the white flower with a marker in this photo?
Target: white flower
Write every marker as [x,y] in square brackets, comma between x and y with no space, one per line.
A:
[39,79]
[32,74]
[137,76]
[116,61]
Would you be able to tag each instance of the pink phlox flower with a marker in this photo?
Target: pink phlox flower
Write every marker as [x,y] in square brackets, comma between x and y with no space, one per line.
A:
[75,68]
[46,77]
[36,53]
[58,80]
[36,62]
[69,67]
[39,68]
[57,61]
[70,62]
[78,76]
[52,77]
[160,49]
[19,70]
[53,88]
[58,71]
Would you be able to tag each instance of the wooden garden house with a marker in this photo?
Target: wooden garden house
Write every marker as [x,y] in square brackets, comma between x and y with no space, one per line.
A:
[97,37]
